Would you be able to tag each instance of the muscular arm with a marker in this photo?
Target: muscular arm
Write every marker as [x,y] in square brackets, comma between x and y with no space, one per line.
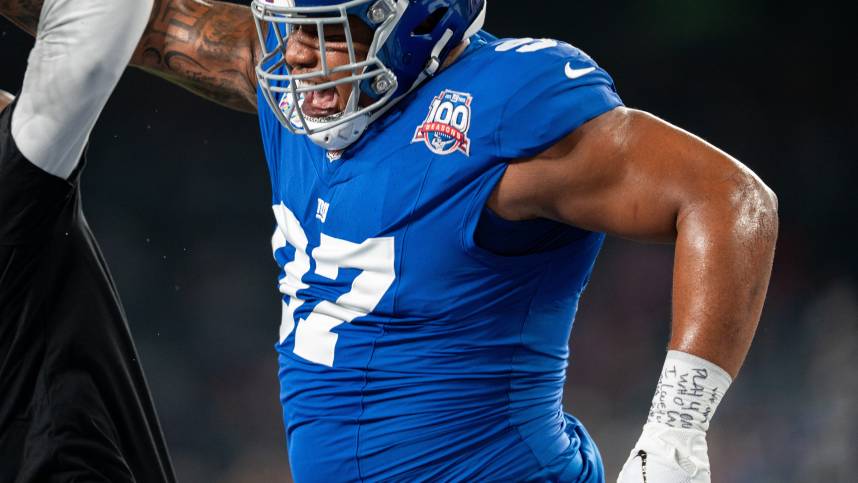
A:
[209,48]
[630,174]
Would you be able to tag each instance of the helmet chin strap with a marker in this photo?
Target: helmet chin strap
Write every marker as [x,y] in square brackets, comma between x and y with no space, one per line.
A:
[346,134]
[340,137]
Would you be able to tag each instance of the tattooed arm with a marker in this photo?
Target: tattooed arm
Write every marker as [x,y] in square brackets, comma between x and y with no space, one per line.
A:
[209,48]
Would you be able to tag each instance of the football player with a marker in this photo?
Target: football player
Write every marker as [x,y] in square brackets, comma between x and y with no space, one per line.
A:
[74,404]
[441,196]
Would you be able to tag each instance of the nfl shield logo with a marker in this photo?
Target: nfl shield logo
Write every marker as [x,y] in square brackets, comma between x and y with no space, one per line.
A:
[445,129]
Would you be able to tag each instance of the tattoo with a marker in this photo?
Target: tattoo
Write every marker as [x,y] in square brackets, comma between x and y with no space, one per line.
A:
[207,48]
[23,13]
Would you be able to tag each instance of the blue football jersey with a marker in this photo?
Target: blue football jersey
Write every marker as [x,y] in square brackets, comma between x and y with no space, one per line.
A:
[408,351]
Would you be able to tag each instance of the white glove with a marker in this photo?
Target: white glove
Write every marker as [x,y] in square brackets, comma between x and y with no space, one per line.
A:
[667,455]
[672,447]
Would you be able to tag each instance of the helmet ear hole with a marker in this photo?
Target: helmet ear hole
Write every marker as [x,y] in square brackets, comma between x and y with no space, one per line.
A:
[431,23]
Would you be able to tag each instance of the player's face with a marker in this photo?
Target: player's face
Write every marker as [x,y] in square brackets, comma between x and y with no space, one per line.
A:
[304,56]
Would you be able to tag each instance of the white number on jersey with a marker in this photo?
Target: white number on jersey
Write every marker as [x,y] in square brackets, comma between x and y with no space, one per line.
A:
[314,340]
[526,45]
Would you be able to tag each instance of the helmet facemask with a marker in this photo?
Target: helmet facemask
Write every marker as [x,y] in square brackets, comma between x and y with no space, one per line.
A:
[411,41]
[285,92]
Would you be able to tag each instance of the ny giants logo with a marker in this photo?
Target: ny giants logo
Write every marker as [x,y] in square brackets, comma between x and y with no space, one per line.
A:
[445,129]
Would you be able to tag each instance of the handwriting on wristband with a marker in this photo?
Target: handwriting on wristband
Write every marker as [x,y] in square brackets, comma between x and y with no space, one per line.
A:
[684,399]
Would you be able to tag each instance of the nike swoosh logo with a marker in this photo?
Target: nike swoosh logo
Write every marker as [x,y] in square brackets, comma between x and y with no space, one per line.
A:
[576,73]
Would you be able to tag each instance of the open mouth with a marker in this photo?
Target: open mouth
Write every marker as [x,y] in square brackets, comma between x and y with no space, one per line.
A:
[321,105]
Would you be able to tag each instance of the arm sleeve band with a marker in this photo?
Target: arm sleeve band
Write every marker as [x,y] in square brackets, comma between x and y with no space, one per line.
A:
[81,50]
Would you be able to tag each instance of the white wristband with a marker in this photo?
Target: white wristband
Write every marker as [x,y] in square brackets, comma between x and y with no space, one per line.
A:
[688,392]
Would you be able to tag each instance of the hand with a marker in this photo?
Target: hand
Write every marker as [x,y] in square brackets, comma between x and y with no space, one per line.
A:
[667,455]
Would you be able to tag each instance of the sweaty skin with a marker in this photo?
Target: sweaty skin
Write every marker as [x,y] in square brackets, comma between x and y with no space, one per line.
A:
[630,174]
[626,173]
[302,55]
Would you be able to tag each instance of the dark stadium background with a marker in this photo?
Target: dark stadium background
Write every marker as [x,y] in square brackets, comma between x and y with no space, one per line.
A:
[177,193]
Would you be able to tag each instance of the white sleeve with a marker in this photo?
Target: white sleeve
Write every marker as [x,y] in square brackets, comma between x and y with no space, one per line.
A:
[82,48]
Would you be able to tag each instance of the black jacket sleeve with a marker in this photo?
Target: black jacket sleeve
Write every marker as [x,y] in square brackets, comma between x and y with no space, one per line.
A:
[30,198]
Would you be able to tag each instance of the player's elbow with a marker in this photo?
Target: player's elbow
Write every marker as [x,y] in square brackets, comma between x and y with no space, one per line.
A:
[733,203]
[754,207]
[769,211]
[771,200]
